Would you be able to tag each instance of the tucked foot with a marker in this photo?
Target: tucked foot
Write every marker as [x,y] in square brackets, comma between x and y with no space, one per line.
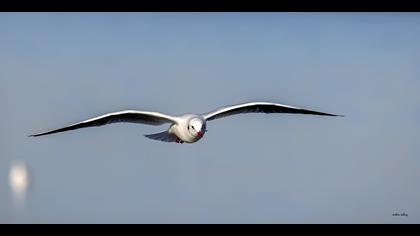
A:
[178,140]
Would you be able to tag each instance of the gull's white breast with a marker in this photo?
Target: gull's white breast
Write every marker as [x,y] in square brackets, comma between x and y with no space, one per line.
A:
[181,128]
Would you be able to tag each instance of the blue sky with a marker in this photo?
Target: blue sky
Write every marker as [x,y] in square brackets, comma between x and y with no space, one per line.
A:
[60,68]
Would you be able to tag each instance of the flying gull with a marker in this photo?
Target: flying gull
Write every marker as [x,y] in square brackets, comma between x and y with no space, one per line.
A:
[188,128]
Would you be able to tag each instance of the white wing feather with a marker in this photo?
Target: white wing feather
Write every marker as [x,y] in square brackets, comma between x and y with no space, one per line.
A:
[259,107]
[141,117]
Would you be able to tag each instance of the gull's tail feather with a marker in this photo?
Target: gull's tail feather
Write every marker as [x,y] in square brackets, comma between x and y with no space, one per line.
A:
[164,136]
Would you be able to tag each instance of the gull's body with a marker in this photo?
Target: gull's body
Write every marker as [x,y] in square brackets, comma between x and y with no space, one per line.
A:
[181,130]
[187,128]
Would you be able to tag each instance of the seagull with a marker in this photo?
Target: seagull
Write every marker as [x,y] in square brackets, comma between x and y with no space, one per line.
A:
[188,128]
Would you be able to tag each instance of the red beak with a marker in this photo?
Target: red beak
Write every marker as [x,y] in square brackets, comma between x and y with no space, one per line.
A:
[200,133]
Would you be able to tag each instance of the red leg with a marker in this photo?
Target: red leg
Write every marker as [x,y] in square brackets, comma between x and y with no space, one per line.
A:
[178,140]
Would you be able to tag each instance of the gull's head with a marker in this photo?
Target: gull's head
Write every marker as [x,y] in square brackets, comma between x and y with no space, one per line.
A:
[197,127]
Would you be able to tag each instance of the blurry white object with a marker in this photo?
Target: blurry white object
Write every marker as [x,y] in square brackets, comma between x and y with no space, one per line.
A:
[19,181]
[187,128]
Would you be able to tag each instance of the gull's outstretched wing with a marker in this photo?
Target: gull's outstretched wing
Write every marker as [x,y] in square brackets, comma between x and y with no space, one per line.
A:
[141,117]
[259,107]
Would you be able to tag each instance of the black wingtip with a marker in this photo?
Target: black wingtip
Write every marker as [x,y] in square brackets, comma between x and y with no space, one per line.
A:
[35,135]
[327,114]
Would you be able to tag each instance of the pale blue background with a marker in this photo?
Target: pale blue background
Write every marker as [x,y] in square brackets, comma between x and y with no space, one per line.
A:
[56,69]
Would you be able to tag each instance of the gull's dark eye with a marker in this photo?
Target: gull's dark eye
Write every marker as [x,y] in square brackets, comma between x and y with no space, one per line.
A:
[193,127]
